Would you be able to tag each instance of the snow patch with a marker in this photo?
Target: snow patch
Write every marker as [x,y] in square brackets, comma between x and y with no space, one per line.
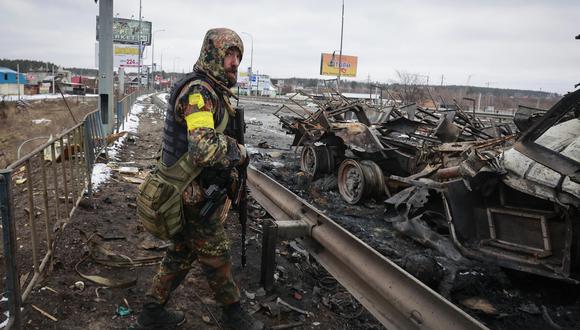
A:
[42,121]
[163,96]
[252,150]
[131,125]
[101,174]
[144,96]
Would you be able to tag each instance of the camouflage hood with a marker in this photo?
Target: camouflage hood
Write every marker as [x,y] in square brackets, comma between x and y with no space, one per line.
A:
[213,51]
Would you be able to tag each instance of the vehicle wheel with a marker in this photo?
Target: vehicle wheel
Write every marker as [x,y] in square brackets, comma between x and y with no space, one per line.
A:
[316,160]
[360,179]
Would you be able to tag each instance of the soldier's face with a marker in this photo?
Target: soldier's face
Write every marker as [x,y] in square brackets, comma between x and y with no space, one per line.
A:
[231,63]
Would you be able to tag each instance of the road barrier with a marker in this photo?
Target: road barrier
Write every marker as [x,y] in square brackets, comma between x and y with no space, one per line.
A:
[390,294]
[39,194]
[123,107]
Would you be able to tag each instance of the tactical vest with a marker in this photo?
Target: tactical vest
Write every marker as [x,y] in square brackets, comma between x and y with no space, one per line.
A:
[160,203]
[175,142]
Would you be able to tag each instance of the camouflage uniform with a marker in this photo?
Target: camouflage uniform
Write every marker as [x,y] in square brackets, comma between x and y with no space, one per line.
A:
[196,108]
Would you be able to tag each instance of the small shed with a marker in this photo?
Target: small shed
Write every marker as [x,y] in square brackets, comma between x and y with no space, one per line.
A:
[10,83]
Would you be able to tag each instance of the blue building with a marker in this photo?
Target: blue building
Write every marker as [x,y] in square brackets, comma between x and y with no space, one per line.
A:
[9,82]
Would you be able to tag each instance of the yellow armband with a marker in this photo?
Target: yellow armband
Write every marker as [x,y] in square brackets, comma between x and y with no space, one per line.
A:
[201,119]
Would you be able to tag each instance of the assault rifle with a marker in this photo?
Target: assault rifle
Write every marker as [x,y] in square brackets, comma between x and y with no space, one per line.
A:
[241,201]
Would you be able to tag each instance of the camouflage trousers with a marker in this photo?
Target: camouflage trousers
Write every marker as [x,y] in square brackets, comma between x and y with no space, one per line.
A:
[203,240]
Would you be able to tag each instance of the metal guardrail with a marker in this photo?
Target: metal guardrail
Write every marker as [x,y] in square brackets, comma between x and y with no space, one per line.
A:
[39,194]
[123,107]
[395,298]
[43,189]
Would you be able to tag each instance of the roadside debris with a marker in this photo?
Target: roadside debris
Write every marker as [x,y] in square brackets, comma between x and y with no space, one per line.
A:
[296,309]
[78,286]
[44,313]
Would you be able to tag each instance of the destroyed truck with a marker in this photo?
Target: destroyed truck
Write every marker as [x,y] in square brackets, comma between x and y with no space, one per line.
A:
[521,209]
[365,145]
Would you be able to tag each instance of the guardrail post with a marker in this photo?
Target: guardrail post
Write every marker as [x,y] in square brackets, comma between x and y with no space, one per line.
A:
[120,112]
[274,230]
[89,156]
[268,266]
[9,237]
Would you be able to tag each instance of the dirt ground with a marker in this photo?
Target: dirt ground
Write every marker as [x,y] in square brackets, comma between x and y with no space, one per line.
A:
[519,300]
[38,119]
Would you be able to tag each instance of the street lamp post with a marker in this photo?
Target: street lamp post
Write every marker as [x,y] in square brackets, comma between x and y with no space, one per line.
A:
[140,51]
[173,73]
[251,63]
[340,54]
[153,56]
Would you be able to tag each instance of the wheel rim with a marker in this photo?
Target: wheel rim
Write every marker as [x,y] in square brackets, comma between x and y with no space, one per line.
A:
[316,160]
[308,161]
[351,183]
[357,180]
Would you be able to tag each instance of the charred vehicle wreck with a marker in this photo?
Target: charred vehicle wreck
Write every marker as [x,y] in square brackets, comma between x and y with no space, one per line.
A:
[455,183]
[363,145]
[520,209]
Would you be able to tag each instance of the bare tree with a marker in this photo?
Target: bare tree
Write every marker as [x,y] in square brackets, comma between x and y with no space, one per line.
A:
[410,86]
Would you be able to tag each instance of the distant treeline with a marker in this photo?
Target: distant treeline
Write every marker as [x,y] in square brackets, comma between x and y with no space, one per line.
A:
[31,65]
[363,87]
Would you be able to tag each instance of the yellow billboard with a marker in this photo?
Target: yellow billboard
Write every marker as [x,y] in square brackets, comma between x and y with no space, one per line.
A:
[329,65]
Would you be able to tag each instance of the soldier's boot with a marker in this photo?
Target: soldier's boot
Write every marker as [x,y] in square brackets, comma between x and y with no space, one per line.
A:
[235,317]
[156,316]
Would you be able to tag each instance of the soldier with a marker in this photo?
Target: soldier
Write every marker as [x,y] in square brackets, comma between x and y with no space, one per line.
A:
[197,111]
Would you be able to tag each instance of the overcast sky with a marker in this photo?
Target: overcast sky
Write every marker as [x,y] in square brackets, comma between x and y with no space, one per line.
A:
[507,44]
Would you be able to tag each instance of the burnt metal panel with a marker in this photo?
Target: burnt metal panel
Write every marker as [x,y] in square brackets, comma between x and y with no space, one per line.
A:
[526,143]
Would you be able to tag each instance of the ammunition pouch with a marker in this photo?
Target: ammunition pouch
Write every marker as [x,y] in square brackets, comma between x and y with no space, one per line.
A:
[160,200]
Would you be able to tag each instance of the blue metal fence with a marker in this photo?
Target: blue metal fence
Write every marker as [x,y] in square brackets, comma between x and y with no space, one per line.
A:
[43,189]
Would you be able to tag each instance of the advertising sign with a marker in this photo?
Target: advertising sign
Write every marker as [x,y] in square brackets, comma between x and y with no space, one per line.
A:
[125,55]
[329,65]
[126,31]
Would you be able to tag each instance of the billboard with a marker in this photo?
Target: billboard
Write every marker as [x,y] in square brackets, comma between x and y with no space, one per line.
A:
[126,31]
[329,65]
[125,55]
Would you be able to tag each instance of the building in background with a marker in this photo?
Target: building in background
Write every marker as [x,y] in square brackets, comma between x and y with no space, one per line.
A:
[10,83]
[258,84]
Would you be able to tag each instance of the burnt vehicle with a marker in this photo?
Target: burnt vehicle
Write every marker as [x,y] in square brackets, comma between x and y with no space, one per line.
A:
[520,209]
[365,144]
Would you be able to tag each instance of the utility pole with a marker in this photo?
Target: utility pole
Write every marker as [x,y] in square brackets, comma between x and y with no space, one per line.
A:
[18,79]
[370,88]
[152,80]
[442,80]
[53,89]
[257,83]
[251,64]
[340,50]
[139,67]
[490,98]
[106,63]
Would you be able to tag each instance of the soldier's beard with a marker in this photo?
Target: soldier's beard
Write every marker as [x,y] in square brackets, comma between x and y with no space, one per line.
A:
[232,77]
